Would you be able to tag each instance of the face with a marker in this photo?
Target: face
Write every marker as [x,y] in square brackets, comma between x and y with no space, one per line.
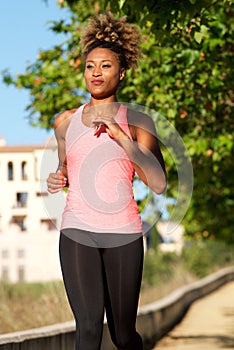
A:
[103,73]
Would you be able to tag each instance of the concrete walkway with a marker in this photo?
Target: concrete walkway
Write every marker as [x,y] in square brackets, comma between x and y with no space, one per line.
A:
[208,324]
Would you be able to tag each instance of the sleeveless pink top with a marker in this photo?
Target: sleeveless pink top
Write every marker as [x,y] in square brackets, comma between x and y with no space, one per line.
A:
[100,196]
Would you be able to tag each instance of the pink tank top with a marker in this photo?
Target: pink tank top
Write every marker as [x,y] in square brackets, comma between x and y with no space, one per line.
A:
[100,196]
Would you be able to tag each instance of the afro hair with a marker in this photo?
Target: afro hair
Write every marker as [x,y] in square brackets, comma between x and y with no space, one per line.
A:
[106,31]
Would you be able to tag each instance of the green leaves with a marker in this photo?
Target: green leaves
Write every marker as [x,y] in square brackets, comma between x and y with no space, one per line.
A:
[190,83]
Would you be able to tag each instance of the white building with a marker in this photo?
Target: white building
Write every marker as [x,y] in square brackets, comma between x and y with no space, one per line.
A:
[172,235]
[28,233]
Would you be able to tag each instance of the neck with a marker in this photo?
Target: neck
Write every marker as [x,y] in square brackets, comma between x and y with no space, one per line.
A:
[94,101]
[107,106]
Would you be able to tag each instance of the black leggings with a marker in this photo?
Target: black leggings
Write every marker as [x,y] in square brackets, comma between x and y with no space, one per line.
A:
[103,278]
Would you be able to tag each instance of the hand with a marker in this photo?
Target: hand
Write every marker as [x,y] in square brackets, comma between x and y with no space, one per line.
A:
[102,118]
[99,129]
[56,181]
[107,124]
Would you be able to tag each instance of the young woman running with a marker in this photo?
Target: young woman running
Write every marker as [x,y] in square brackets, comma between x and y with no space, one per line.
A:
[100,147]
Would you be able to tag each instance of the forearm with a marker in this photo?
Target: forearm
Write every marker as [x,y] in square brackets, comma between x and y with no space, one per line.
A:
[146,165]
[63,168]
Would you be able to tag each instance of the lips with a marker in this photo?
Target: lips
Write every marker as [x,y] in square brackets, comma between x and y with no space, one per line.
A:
[97,82]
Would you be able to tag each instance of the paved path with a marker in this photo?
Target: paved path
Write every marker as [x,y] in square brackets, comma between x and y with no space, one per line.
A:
[208,324]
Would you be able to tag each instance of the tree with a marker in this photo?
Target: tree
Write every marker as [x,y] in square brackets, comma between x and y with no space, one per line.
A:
[189,80]
[185,75]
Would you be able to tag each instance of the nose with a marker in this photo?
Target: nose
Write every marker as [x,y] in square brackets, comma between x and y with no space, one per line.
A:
[97,72]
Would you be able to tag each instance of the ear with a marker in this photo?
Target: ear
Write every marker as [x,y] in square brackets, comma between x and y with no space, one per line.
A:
[122,73]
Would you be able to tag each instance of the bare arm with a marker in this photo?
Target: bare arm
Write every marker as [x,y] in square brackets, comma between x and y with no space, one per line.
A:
[59,179]
[59,126]
[145,154]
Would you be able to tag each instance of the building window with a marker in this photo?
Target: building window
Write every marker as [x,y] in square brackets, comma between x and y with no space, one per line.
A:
[10,171]
[21,273]
[21,199]
[23,171]
[42,194]
[5,254]
[49,223]
[5,273]
[19,221]
[20,253]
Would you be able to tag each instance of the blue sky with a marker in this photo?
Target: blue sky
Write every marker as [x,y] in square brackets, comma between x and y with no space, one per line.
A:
[23,31]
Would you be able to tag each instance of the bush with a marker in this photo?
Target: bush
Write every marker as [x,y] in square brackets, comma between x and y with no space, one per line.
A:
[204,256]
[199,258]
[158,268]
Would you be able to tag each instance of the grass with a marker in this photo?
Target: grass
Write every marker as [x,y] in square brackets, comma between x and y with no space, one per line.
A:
[30,305]
[180,277]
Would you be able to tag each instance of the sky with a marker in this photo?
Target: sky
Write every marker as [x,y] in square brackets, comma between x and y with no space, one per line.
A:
[23,31]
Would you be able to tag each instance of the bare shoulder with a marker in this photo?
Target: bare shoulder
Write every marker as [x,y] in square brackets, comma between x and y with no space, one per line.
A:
[139,122]
[62,120]
[63,117]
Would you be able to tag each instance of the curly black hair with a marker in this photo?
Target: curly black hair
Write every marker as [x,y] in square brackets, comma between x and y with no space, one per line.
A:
[106,31]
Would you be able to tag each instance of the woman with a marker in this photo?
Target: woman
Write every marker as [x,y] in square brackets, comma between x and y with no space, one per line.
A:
[100,147]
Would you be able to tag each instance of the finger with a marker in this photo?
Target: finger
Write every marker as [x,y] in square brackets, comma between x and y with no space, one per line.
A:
[100,129]
[54,188]
[56,182]
[56,178]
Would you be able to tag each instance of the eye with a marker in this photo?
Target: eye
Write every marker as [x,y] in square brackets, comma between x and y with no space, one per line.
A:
[106,65]
[89,66]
